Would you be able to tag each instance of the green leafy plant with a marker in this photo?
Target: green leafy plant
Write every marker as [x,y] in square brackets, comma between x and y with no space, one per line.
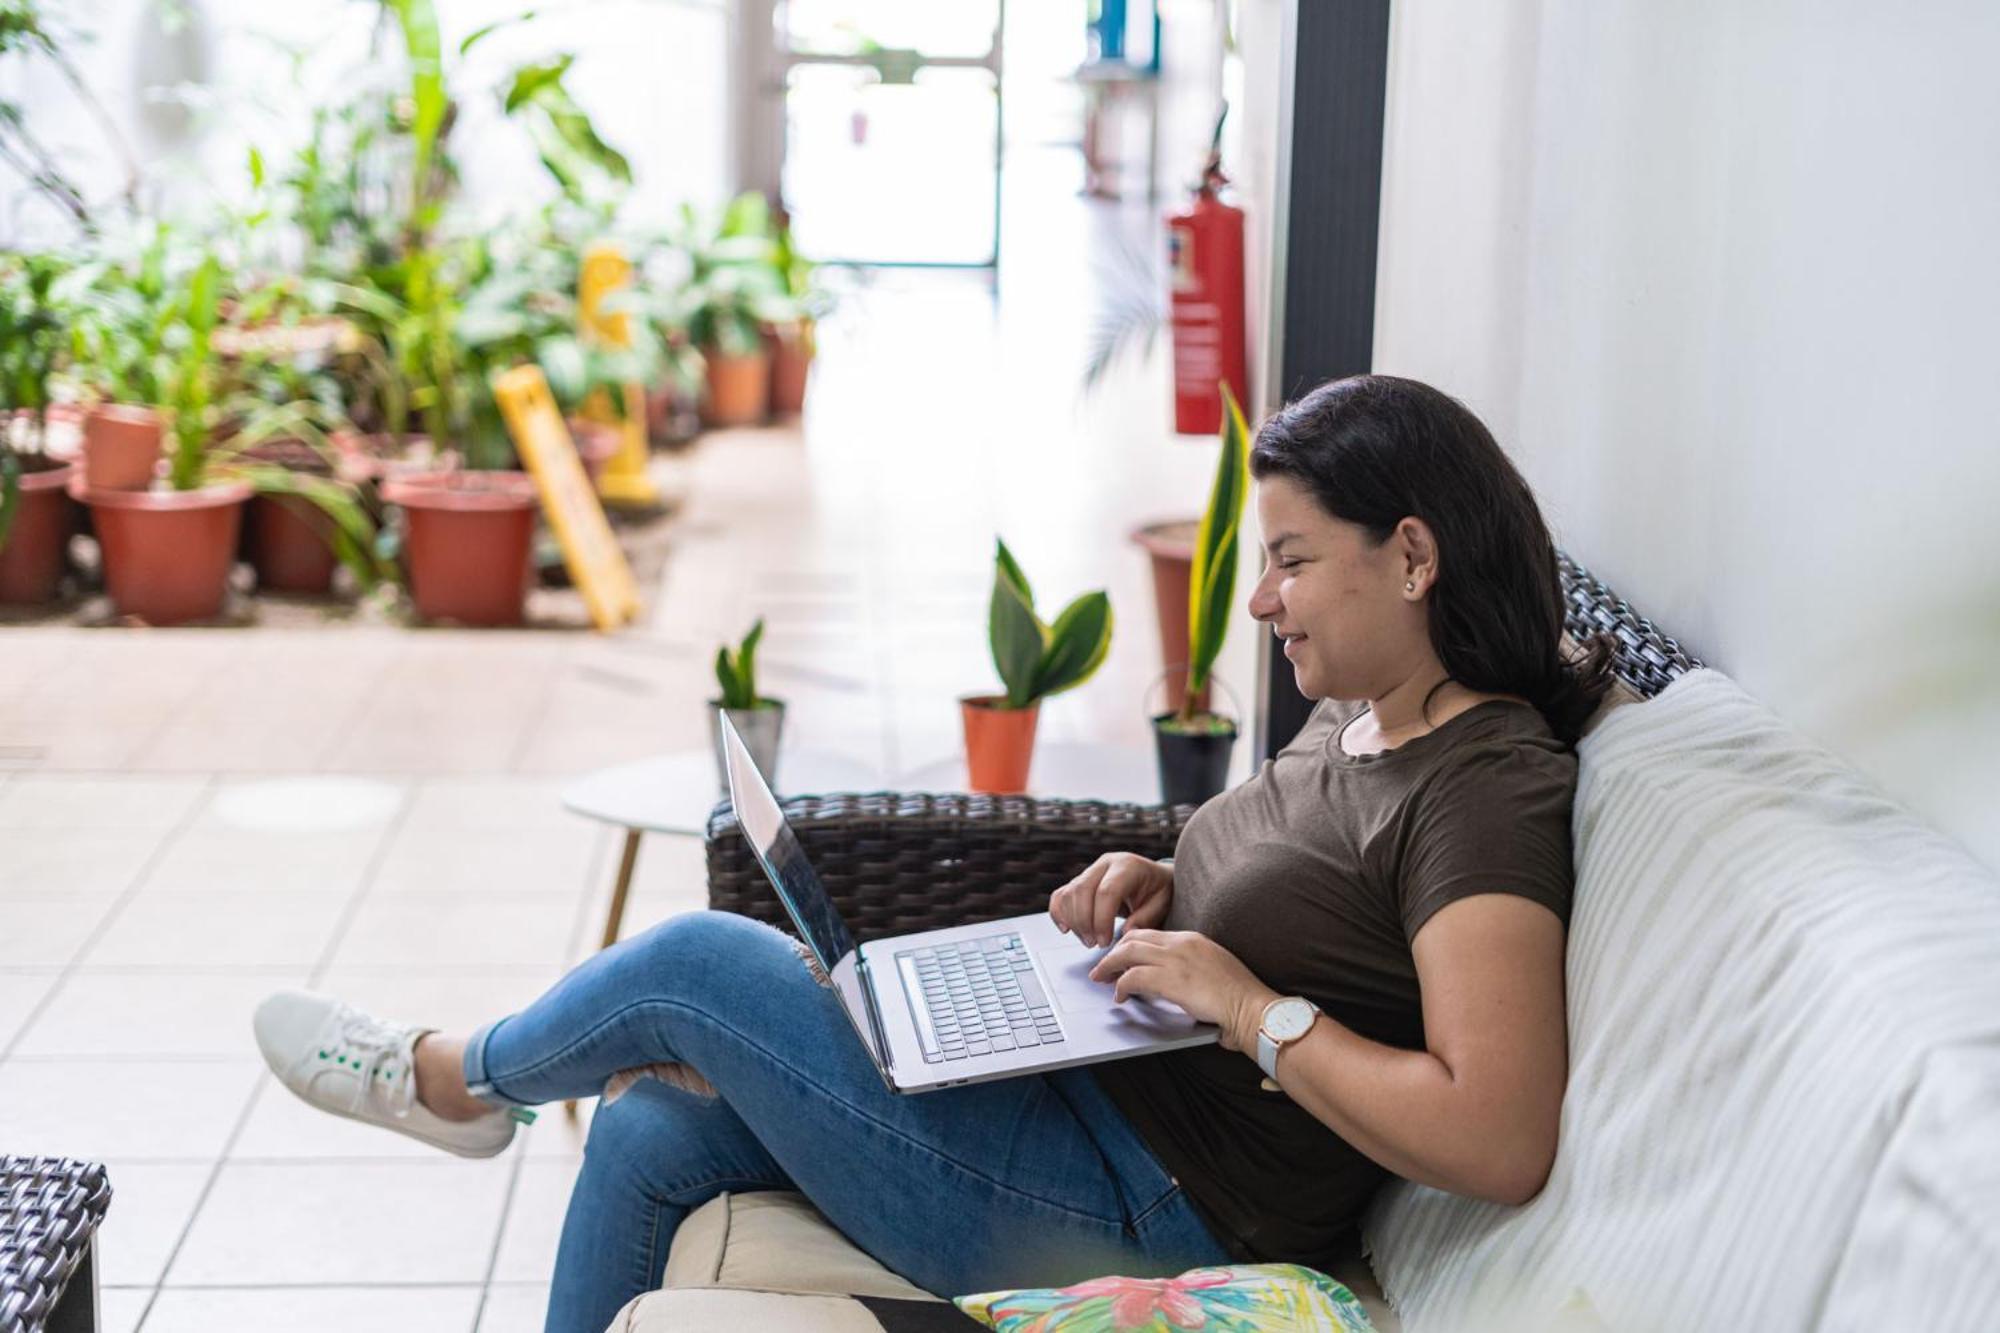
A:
[189,396]
[1035,659]
[569,145]
[32,336]
[737,672]
[1212,583]
[739,280]
[129,318]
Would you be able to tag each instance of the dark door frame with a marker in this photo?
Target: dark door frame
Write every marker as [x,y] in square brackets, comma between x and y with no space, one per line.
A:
[1329,206]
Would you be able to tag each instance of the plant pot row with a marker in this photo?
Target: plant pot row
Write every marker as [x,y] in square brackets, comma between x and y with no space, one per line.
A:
[749,389]
[1000,751]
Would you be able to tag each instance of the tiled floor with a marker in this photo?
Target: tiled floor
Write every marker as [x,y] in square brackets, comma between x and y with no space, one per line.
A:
[188,819]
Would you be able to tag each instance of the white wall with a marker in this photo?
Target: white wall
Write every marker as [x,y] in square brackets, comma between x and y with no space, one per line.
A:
[191,97]
[1724,277]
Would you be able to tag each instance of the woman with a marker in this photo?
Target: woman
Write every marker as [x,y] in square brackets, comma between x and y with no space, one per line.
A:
[1375,920]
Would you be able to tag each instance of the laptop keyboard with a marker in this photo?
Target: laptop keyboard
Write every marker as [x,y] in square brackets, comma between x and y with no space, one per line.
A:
[977,997]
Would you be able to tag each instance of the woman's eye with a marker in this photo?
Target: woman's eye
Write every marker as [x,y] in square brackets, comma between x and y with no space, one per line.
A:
[1288,564]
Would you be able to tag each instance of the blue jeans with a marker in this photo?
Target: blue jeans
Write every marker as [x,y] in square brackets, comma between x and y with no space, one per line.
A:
[1029,1181]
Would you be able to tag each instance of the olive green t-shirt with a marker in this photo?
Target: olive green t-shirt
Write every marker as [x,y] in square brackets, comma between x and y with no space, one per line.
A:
[1317,873]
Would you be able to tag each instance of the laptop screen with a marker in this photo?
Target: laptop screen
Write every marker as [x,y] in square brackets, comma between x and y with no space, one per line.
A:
[784,861]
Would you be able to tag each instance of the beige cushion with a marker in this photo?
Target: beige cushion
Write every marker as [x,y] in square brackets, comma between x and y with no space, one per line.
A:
[701,1309]
[774,1242]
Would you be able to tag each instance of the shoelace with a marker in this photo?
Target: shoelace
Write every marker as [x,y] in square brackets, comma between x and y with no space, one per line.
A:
[380,1049]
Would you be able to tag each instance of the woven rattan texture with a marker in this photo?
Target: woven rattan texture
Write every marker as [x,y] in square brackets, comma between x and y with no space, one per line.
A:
[899,861]
[1647,659]
[895,862]
[50,1207]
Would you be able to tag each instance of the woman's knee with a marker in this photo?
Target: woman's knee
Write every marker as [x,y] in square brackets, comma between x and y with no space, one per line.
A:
[641,1124]
[698,944]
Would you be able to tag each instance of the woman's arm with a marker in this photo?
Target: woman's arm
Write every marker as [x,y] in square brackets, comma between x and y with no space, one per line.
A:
[1477,1111]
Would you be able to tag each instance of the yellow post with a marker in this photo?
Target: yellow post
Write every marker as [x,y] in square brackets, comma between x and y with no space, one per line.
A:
[596,564]
[624,481]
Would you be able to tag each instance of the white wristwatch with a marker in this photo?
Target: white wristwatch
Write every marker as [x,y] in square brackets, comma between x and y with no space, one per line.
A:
[1286,1019]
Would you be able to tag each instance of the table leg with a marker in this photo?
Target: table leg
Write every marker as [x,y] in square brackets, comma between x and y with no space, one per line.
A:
[614,920]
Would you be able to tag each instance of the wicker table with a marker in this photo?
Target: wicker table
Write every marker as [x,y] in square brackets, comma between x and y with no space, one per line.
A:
[50,1209]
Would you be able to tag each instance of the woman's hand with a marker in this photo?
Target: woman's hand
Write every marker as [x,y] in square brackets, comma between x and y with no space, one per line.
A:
[1089,905]
[1194,972]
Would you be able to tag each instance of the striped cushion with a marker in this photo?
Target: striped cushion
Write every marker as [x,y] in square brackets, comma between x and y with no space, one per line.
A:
[1783,991]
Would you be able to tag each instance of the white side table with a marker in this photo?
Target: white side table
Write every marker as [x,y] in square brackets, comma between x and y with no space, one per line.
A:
[675,794]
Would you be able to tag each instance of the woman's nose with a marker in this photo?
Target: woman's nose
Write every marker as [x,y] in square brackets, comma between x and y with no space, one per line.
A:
[1264,604]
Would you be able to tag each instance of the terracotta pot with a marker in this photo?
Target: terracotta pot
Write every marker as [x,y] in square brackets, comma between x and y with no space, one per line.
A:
[121,447]
[290,538]
[1171,546]
[791,351]
[469,543]
[167,554]
[596,443]
[999,743]
[31,554]
[739,389]
[291,545]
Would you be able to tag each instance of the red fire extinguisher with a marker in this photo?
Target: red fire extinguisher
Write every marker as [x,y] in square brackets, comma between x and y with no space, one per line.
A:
[1205,259]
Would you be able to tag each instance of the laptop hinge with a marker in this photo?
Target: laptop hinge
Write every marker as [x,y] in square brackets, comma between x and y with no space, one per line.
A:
[887,1059]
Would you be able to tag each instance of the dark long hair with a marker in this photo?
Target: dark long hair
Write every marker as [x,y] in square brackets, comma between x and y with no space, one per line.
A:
[1374,449]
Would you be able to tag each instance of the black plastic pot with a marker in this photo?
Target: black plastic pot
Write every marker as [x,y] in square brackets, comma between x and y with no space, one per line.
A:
[1193,766]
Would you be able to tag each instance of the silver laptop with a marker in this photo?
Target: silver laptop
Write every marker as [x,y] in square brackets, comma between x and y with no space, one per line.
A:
[961,1005]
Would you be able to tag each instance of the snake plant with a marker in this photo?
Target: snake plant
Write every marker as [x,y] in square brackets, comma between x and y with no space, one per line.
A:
[737,672]
[1212,582]
[1036,659]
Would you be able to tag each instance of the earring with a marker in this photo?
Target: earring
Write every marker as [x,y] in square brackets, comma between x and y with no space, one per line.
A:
[1409,587]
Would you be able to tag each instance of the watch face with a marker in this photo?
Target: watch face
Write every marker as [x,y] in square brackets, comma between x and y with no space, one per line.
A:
[1289,1019]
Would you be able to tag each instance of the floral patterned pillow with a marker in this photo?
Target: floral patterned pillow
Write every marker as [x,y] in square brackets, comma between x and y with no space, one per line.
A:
[1245,1298]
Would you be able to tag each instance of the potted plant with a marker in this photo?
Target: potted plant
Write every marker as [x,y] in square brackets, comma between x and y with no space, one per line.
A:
[467,536]
[791,342]
[304,520]
[122,354]
[168,548]
[35,511]
[1035,660]
[282,416]
[1194,743]
[736,290]
[760,721]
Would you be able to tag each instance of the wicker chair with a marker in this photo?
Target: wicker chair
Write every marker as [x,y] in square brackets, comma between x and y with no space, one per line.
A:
[897,862]
[50,1209]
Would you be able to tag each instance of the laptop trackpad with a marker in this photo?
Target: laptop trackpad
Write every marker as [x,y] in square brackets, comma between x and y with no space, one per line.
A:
[1068,966]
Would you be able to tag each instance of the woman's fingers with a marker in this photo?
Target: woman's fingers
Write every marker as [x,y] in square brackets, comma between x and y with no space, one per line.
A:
[1071,906]
[1132,951]
[1141,980]
[1149,913]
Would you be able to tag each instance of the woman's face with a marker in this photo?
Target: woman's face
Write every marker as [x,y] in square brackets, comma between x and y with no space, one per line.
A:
[1351,630]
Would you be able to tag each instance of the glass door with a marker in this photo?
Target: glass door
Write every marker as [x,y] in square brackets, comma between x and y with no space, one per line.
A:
[892,129]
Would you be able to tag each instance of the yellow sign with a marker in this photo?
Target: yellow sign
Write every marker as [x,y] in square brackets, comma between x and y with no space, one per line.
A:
[624,480]
[596,564]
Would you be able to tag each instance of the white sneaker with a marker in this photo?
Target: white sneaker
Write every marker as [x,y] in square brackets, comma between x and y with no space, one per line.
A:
[345,1063]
